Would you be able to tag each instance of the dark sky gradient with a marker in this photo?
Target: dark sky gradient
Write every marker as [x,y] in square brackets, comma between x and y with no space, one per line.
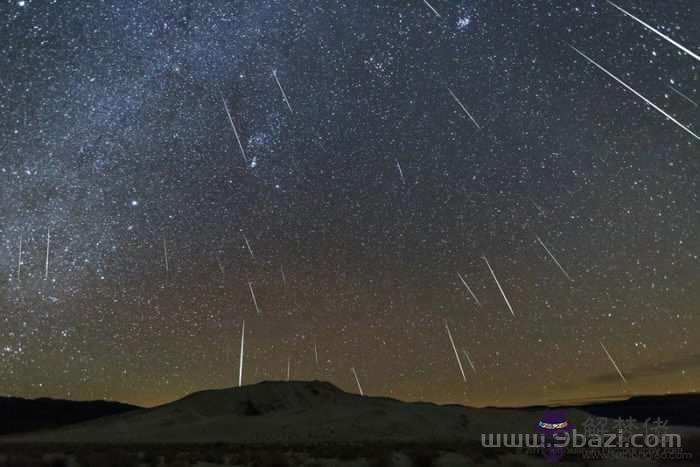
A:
[113,133]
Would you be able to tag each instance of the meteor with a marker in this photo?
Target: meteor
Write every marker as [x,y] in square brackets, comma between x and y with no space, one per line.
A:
[235,131]
[284,94]
[19,260]
[656,107]
[539,208]
[240,365]
[659,33]
[614,364]
[432,9]
[463,107]
[553,258]
[403,180]
[165,255]
[48,247]
[471,364]
[459,362]
[247,244]
[221,268]
[683,95]
[499,286]
[252,294]
[357,380]
[469,289]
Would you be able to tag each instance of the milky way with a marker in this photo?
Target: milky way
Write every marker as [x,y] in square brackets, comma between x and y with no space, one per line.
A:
[383,150]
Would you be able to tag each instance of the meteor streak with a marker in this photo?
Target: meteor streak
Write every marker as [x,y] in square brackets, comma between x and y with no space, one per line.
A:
[240,365]
[221,268]
[471,364]
[539,208]
[659,33]
[432,9]
[614,364]
[499,286]
[553,258]
[19,261]
[403,180]
[683,95]
[471,292]
[357,380]
[235,131]
[463,107]
[459,362]
[659,109]
[247,244]
[252,294]
[165,255]
[284,94]
[48,247]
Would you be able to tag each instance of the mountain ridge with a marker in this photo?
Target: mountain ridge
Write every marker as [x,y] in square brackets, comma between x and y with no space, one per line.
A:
[292,412]
[318,411]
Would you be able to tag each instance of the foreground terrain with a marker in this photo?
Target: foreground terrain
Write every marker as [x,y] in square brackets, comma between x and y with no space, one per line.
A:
[307,423]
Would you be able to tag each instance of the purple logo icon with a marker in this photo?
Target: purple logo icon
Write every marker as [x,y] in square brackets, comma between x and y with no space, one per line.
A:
[552,425]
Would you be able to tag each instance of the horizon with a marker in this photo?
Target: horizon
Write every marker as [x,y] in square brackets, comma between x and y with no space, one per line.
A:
[552,403]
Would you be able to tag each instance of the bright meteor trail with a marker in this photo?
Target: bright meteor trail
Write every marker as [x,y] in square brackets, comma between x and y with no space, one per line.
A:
[432,9]
[619,372]
[656,31]
[499,286]
[252,294]
[659,109]
[454,348]
[469,289]
[235,131]
[357,380]
[464,109]
[554,258]
[284,94]
[240,364]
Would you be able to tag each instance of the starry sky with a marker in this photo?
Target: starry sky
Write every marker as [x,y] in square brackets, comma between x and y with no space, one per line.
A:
[375,152]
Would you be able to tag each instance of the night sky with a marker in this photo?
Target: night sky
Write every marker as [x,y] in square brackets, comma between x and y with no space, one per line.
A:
[415,139]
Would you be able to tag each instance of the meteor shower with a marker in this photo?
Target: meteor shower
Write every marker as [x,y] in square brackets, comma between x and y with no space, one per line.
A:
[272,230]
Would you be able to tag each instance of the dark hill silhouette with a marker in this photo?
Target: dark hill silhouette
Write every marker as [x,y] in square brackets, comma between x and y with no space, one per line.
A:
[300,412]
[21,415]
[678,409]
